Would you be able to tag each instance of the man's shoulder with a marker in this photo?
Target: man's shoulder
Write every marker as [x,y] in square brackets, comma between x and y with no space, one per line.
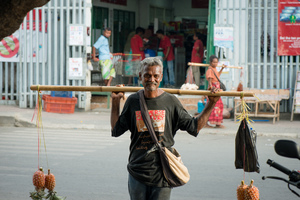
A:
[136,37]
[170,97]
[133,96]
[133,37]
[166,38]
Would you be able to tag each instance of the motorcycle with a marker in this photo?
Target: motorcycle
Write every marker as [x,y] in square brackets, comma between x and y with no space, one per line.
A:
[290,149]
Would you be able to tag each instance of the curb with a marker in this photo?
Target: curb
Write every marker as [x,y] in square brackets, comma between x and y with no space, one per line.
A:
[16,121]
[7,121]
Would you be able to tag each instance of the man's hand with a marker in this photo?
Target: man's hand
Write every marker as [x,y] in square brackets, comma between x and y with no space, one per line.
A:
[214,90]
[95,59]
[118,95]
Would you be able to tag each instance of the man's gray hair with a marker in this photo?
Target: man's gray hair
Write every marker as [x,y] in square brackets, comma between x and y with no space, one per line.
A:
[151,61]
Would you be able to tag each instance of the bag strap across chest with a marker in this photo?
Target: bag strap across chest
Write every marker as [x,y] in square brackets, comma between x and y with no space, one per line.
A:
[215,74]
[146,118]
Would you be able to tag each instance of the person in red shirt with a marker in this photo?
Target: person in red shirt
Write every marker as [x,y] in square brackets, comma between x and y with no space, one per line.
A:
[136,42]
[168,72]
[197,57]
[137,47]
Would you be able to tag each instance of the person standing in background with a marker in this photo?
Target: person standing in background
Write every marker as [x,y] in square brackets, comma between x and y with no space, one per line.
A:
[212,76]
[136,43]
[197,57]
[137,47]
[105,62]
[168,72]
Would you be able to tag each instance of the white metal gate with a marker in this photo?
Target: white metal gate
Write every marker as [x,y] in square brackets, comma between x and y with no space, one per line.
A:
[44,52]
[253,49]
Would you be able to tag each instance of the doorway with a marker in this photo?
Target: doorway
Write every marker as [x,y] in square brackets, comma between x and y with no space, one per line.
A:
[99,22]
[124,23]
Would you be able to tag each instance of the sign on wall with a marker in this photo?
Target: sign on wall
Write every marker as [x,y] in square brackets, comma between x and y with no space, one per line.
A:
[13,47]
[75,68]
[76,35]
[223,37]
[10,47]
[288,27]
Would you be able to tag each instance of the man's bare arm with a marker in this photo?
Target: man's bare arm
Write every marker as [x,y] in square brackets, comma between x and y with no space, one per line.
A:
[115,108]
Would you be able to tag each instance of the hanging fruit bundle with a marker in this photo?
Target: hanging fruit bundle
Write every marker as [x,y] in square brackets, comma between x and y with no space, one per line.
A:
[38,180]
[240,191]
[41,182]
[49,181]
[251,193]
[245,192]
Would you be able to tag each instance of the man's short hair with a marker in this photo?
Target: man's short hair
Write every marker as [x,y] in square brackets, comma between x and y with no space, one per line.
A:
[159,31]
[139,30]
[198,35]
[107,29]
[151,61]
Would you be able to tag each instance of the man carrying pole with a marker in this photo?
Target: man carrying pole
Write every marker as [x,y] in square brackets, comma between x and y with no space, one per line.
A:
[146,179]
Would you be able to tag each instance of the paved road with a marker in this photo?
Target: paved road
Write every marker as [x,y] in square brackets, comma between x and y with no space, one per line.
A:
[89,165]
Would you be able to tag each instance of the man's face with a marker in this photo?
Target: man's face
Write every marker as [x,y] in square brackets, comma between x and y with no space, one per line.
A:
[141,34]
[159,35]
[195,37]
[151,77]
[107,33]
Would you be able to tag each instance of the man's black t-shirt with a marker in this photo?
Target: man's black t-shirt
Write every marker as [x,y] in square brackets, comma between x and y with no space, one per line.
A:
[167,116]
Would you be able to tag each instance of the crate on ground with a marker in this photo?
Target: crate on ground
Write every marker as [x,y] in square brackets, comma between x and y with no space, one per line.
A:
[61,94]
[59,104]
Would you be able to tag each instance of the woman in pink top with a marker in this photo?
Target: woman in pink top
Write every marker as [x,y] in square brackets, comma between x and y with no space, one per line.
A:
[216,116]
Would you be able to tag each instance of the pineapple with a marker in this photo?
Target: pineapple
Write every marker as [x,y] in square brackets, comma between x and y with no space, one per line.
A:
[38,179]
[49,181]
[251,192]
[240,191]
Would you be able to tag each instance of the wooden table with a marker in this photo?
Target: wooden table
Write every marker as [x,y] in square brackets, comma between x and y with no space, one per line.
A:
[272,101]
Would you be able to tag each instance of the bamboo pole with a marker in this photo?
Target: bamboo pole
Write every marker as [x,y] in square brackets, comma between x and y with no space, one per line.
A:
[125,54]
[207,65]
[135,89]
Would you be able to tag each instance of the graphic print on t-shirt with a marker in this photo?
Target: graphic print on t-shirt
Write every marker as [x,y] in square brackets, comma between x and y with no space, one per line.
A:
[157,118]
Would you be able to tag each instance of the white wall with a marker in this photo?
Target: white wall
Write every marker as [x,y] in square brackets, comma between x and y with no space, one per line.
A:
[183,9]
[162,3]
[132,6]
[144,7]
[145,10]
[226,16]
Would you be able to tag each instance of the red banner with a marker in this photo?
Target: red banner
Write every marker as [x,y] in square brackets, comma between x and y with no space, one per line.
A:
[34,21]
[199,3]
[288,27]
[119,2]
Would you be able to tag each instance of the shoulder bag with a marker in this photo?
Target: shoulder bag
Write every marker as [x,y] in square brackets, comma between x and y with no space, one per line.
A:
[222,86]
[173,168]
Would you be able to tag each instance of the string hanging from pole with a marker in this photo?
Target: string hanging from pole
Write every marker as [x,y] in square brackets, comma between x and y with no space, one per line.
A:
[39,125]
